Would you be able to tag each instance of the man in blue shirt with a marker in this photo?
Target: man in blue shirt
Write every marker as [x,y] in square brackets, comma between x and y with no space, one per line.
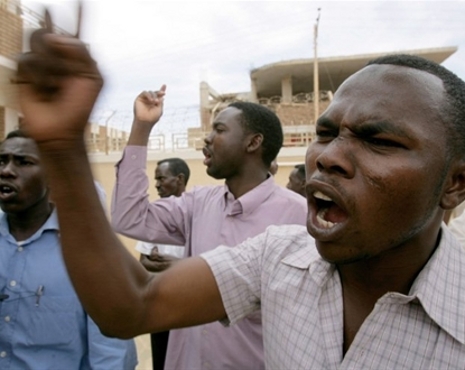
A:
[42,322]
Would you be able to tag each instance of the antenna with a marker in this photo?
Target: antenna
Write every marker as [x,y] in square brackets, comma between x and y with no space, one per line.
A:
[316,87]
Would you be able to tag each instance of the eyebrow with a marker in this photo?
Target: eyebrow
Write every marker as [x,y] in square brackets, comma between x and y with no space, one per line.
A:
[366,129]
[19,156]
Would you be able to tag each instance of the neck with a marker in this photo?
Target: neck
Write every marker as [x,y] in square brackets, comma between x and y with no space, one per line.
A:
[393,271]
[23,225]
[243,183]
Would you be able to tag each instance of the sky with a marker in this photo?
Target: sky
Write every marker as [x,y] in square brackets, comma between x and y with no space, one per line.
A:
[140,45]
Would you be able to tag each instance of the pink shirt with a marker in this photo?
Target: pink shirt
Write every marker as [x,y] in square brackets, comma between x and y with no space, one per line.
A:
[201,220]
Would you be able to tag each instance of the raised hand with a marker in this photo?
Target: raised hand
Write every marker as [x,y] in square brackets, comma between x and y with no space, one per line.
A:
[148,106]
[59,83]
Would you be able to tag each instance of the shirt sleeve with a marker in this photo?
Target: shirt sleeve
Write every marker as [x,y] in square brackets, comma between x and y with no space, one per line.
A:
[164,221]
[109,353]
[144,248]
[101,194]
[237,272]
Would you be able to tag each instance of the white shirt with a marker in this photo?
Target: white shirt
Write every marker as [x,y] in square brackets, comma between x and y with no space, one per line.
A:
[300,297]
[165,249]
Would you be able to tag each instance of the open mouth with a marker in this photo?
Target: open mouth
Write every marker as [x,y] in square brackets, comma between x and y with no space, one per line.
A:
[329,213]
[207,155]
[6,190]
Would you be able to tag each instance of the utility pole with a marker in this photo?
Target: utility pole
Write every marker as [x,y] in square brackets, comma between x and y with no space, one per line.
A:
[316,87]
[107,138]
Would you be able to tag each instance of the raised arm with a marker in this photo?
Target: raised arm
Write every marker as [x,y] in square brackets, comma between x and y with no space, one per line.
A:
[148,108]
[59,83]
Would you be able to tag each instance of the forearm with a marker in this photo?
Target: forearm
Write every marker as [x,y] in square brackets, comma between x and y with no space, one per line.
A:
[140,133]
[133,215]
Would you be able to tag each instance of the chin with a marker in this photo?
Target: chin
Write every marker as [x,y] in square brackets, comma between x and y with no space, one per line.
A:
[215,174]
[338,254]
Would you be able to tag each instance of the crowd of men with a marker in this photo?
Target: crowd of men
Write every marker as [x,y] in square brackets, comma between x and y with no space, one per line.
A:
[354,268]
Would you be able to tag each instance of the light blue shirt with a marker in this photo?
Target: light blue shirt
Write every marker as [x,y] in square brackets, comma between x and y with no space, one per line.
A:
[42,323]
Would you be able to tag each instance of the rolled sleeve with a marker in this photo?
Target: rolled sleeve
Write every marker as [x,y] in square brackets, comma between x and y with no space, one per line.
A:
[237,272]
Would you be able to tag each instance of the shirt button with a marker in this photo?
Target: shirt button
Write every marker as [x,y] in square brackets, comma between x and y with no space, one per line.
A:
[204,331]
[207,365]
[12,283]
[133,156]
[7,318]
[3,354]
[20,249]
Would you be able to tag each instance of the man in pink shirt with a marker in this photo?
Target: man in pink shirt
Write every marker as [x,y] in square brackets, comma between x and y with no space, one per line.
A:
[245,139]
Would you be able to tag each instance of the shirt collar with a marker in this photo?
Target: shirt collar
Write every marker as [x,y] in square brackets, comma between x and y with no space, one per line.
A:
[439,287]
[248,202]
[308,257]
[50,224]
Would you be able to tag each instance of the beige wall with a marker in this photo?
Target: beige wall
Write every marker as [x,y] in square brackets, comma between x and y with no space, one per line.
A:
[104,173]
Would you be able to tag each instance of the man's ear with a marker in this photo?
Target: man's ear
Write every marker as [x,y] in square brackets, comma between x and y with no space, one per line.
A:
[254,142]
[180,178]
[454,189]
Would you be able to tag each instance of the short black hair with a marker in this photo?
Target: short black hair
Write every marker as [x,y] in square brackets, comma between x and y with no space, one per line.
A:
[177,166]
[454,87]
[257,118]
[300,170]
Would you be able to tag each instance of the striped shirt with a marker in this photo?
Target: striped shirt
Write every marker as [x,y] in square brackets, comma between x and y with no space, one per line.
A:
[300,295]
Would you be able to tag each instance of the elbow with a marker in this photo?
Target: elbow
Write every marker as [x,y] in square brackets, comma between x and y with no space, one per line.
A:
[119,331]
[121,224]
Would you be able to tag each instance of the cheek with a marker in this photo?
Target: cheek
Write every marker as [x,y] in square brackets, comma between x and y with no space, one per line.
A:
[397,195]
[310,159]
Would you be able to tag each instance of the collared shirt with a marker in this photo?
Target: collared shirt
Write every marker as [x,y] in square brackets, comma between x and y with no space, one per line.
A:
[457,226]
[42,323]
[300,295]
[201,220]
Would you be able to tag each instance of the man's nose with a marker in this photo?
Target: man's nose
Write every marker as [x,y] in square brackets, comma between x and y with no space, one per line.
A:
[208,139]
[7,169]
[337,157]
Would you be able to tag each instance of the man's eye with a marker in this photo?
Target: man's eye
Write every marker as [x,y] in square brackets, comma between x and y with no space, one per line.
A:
[384,142]
[324,135]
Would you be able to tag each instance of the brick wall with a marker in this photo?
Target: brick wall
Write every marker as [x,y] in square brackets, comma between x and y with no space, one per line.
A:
[11,31]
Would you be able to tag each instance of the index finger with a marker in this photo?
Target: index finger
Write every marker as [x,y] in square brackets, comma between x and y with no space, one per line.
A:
[79,19]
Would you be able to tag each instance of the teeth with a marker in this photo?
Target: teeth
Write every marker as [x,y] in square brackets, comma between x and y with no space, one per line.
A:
[5,189]
[321,219]
[321,196]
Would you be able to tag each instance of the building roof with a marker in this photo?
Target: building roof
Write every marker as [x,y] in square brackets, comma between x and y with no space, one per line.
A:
[332,71]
